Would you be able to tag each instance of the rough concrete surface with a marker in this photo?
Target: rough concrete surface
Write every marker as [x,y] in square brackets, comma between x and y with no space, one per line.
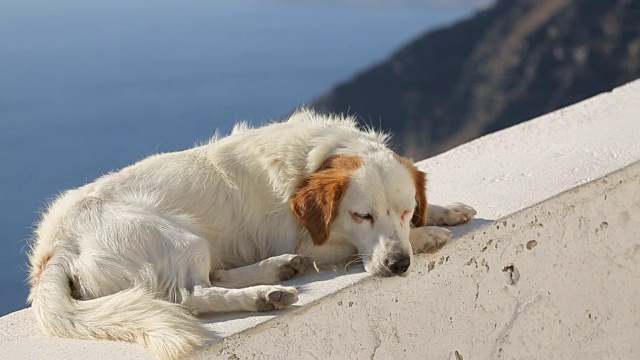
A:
[549,269]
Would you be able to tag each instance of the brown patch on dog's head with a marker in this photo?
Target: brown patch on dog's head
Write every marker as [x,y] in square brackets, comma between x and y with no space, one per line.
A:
[317,201]
[342,162]
[420,179]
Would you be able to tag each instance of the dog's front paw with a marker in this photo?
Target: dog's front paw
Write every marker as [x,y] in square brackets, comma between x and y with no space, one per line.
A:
[428,238]
[287,266]
[450,215]
[276,297]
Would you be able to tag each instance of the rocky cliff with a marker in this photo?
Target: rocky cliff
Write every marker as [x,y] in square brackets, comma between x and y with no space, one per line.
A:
[511,62]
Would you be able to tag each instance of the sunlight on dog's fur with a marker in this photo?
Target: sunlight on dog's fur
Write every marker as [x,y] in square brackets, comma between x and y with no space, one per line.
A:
[213,228]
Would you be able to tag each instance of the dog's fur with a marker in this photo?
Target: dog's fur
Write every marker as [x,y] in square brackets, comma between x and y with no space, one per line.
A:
[212,228]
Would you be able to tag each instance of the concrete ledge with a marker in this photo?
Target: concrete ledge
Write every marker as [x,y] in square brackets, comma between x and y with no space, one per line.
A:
[549,269]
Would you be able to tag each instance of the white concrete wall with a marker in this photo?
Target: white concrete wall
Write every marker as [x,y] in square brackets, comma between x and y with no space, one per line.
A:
[559,202]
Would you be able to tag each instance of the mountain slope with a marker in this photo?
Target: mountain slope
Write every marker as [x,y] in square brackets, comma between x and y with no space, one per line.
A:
[509,63]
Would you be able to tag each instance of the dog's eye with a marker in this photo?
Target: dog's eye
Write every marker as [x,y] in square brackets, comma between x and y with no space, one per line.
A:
[367,216]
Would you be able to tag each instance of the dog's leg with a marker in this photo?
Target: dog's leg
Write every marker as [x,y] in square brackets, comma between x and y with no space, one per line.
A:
[265,272]
[204,298]
[449,215]
[428,238]
[207,299]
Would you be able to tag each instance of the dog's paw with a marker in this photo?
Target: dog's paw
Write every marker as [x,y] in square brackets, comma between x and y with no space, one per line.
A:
[287,266]
[275,298]
[451,215]
[428,238]
[294,265]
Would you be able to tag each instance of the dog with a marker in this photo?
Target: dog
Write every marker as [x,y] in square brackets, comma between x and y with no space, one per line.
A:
[134,255]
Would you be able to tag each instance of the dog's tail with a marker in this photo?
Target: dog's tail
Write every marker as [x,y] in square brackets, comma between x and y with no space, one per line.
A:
[133,315]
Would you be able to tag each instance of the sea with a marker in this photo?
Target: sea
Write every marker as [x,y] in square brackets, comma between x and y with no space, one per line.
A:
[87,87]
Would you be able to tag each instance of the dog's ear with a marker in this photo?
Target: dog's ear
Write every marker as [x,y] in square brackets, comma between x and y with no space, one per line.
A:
[317,201]
[420,215]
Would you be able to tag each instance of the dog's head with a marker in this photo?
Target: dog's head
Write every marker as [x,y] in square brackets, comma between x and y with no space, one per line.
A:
[369,202]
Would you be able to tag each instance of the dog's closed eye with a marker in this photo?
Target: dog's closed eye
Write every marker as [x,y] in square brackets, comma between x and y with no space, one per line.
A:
[360,217]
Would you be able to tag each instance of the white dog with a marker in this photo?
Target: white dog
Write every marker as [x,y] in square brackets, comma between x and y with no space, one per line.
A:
[212,228]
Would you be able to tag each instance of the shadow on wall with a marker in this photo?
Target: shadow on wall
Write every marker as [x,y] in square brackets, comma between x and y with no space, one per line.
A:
[473,225]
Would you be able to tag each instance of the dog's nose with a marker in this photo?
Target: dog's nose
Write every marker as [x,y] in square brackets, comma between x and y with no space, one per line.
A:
[398,264]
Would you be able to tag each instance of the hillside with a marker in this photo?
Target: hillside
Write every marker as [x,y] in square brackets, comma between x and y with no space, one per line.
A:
[511,62]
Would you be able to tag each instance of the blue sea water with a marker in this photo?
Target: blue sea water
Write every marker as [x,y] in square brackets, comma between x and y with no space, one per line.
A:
[87,87]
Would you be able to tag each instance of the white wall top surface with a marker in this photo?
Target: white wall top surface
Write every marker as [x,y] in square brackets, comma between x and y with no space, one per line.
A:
[515,168]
